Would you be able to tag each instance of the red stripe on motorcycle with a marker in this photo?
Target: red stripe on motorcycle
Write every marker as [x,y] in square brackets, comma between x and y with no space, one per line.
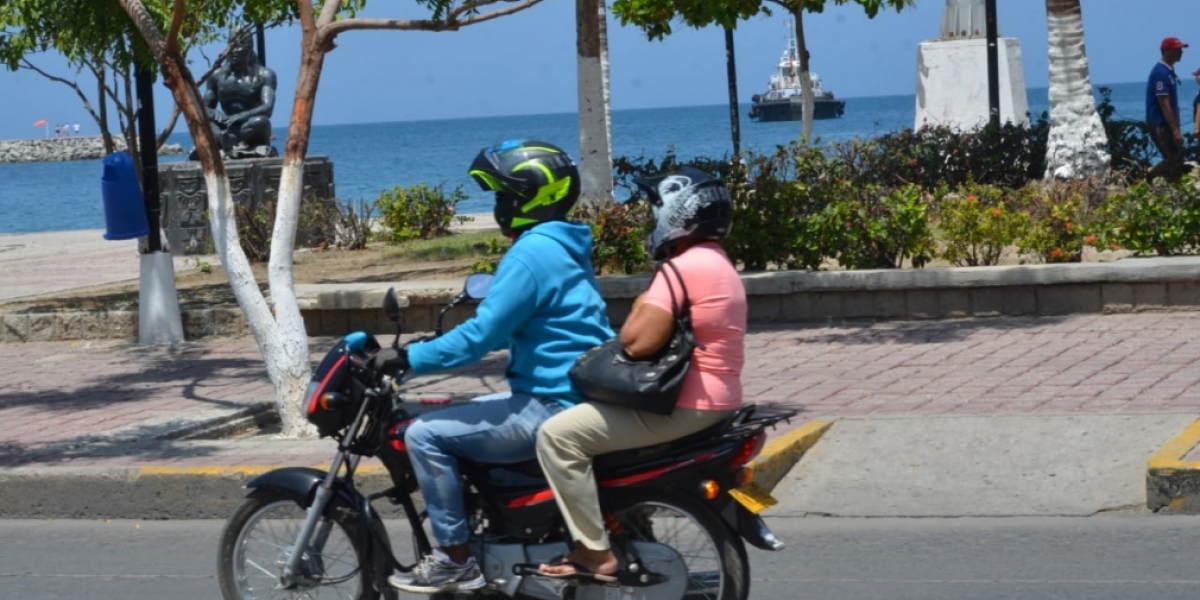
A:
[312,402]
[653,473]
[531,499]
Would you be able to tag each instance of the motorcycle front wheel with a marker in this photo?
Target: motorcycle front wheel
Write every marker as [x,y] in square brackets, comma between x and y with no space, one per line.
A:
[713,554]
[257,542]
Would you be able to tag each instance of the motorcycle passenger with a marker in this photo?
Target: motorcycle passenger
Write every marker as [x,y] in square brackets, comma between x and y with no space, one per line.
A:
[692,211]
[545,308]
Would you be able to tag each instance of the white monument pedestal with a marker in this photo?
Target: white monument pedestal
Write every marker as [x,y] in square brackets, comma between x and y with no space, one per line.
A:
[952,83]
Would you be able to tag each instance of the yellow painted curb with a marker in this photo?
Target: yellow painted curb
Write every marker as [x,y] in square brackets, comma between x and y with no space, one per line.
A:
[236,471]
[778,457]
[1173,483]
[1170,457]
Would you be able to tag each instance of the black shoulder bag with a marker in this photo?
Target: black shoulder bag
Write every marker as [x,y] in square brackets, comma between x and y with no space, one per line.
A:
[606,374]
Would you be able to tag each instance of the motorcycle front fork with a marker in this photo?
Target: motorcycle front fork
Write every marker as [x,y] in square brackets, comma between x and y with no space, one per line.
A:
[314,532]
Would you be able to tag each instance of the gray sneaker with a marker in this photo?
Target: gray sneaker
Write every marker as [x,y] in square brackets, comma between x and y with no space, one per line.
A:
[433,576]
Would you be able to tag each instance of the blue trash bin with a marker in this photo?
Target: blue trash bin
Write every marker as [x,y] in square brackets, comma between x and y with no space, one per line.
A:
[124,208]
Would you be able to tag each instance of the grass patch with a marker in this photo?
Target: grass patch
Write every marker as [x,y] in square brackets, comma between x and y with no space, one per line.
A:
[453,247]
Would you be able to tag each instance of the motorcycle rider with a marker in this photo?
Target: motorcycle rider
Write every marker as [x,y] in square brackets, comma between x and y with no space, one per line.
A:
[692,211]
[545,308]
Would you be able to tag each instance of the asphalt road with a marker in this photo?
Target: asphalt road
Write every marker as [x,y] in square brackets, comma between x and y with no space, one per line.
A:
[1094,558]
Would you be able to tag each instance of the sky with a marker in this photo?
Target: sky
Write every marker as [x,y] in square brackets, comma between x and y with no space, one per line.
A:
[525,63]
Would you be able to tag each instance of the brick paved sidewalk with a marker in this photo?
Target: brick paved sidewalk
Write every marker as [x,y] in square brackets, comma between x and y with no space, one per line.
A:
[95,404]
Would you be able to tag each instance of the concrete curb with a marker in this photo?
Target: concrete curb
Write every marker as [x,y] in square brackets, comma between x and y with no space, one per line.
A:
[1172,482]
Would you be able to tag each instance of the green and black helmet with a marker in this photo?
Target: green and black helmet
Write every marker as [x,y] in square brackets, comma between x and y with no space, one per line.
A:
[534,182]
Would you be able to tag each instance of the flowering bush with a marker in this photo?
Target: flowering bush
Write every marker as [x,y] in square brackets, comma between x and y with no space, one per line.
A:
[977,222]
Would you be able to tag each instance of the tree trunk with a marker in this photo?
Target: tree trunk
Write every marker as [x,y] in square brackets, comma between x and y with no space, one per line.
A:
[806,91]
[292,371]
[595,125]
[1077,141]
[735,128]
[287,365]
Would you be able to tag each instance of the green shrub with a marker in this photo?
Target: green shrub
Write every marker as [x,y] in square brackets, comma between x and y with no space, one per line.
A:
[256,225]
[618,236]
[977,222]
[352,224]
[1153,217]
[930,157]
[876,228]
[418,212]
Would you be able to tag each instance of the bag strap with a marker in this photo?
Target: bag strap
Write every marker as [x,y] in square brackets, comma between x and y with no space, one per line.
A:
[679,311]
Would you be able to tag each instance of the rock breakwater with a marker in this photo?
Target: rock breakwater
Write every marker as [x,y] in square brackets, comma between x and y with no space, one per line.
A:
[60,149]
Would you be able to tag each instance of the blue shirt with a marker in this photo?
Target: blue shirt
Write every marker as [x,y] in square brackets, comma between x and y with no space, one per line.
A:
[1163,82]
[543,306]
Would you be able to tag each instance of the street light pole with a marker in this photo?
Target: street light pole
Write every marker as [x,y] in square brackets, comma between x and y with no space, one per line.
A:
[993,63]
[159,319]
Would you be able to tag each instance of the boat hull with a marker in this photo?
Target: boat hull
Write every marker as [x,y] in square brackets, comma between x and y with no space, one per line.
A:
[792,109]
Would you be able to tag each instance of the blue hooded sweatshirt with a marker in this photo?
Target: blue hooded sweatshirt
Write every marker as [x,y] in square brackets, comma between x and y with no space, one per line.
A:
[543,305]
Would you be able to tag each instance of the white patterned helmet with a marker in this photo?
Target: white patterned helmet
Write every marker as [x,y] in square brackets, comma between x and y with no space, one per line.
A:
[689,205]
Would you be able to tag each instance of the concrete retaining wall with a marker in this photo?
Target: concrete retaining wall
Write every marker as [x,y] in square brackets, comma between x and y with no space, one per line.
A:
[1129,285]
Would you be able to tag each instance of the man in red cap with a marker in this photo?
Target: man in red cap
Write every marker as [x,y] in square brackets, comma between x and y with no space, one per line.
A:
[1162,111]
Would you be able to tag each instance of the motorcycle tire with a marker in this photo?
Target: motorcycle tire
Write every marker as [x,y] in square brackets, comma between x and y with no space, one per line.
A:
[715,557]
[262,530]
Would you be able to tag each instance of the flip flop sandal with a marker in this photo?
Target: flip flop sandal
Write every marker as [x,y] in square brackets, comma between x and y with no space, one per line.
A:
[581,572]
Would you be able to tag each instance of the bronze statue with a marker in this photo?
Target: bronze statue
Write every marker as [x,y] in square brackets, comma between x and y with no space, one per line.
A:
[240,97]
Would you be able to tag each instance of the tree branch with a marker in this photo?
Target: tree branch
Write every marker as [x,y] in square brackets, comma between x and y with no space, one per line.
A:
[145,25]
[87,105]
[331,30]
[176,23]
[328,12]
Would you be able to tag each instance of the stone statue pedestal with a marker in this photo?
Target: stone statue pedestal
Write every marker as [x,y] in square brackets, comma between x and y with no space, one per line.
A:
[184,195]
[952,83]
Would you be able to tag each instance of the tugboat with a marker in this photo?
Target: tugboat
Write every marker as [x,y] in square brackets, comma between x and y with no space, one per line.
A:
[783,102]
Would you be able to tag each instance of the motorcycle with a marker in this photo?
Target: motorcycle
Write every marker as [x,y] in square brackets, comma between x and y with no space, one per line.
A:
[678,513]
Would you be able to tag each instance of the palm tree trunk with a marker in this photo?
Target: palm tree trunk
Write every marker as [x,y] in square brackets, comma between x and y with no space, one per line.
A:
[1076,147]
[595,124]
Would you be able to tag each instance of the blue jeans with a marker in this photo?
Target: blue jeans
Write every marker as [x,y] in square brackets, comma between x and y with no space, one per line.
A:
[498,428]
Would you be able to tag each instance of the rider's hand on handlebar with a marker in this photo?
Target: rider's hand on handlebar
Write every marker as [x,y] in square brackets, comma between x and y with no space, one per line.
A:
[389,361]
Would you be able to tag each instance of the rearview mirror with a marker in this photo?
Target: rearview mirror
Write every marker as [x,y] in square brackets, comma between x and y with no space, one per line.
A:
[478,285]
[391,306]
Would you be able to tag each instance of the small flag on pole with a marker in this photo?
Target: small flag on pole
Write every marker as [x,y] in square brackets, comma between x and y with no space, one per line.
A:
[40,123]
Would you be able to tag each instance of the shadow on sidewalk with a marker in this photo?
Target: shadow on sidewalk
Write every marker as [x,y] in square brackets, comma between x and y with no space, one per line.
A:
[188,372]
[906,332]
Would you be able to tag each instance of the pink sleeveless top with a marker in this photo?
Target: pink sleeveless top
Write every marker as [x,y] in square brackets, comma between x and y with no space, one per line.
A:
[718,298]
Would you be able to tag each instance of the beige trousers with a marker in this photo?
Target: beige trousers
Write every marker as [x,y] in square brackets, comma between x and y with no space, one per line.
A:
[567,442]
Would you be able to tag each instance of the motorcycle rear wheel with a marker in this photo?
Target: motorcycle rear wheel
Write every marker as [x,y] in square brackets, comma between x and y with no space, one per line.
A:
[258,538]
[715,557]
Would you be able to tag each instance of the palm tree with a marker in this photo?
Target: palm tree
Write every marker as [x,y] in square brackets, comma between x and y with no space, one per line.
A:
[595,124]
[1076,148]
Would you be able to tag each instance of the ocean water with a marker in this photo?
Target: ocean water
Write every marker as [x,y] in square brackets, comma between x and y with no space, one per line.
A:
[373,157]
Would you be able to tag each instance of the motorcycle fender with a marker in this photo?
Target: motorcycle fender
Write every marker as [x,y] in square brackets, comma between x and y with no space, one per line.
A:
[301,483]
[751,527]
[298,482]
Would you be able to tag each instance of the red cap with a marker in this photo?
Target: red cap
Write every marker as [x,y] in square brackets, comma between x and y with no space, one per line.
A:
[1172,42]
[1196,73]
